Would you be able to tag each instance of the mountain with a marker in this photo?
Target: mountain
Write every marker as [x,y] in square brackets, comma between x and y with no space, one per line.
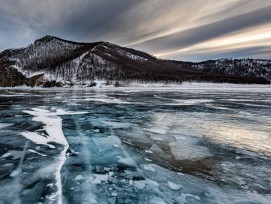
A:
[257,68]
[51,61]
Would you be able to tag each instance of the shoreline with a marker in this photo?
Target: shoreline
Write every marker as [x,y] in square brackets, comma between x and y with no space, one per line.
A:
[152,86]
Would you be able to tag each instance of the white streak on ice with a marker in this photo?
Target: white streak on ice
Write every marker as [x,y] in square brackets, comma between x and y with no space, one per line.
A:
[53,126]
[38,139]
[18,170]
[107,100]
[157,130]
[35,152]
[6,155]
[15,154]
[4,125]
[189,102]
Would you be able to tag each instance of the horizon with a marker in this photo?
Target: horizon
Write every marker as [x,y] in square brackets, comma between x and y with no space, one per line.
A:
[181,30]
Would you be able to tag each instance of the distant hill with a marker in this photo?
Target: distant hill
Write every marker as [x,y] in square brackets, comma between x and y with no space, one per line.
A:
[51,61]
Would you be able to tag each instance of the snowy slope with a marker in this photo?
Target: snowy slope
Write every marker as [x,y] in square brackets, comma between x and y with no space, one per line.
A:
[237,67]
[51,61]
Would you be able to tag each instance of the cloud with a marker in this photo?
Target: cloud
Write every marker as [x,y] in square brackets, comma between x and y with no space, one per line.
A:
[258,52]
[202,33]
[175,29]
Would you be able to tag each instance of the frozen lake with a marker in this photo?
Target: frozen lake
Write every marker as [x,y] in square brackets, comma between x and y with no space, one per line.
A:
[198,145]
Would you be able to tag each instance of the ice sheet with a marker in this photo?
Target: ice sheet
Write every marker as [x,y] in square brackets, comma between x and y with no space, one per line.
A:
[4,125]
[189,151]
[147,153]
[157,130]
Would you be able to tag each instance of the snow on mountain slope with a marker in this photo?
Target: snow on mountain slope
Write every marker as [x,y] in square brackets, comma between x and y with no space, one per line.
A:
[237,67]
[59,60]
[113,48]
[51,61]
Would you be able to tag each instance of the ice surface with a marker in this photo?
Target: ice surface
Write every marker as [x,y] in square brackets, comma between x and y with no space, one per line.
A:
[157,130]
[149,167]
[126,161]
[154,149]
[6,155]
[101,177]
[240,136]
[15,154]
[174,186]
[4,125]
[211,148]
[113,124]
[189,102]
[106,143]
[106,99]
[189,151]
[79,177]
[139,184]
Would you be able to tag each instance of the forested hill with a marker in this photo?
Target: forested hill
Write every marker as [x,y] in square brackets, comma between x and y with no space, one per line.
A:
[51,61]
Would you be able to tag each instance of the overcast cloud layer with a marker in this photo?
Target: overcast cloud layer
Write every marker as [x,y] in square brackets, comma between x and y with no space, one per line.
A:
[177,29]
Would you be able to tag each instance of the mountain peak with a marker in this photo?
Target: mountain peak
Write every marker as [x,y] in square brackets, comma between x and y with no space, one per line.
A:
[46,38]
[49,38]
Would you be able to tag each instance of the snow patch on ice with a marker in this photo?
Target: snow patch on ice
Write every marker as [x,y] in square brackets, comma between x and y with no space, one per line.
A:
[37,138]
[149,167]
[99,178]
[126,161]
[79,178]
[173,186]
[6,155]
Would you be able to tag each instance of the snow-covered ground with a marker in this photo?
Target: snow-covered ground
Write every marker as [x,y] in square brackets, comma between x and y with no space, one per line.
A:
[100,84]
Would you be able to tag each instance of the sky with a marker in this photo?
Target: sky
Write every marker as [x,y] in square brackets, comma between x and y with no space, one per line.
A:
[189,30]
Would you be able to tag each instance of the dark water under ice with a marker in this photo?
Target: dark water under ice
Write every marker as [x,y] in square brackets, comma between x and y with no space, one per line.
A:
[128,146]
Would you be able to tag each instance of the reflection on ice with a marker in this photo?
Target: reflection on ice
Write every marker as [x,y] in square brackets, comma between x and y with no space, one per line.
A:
[240,137]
